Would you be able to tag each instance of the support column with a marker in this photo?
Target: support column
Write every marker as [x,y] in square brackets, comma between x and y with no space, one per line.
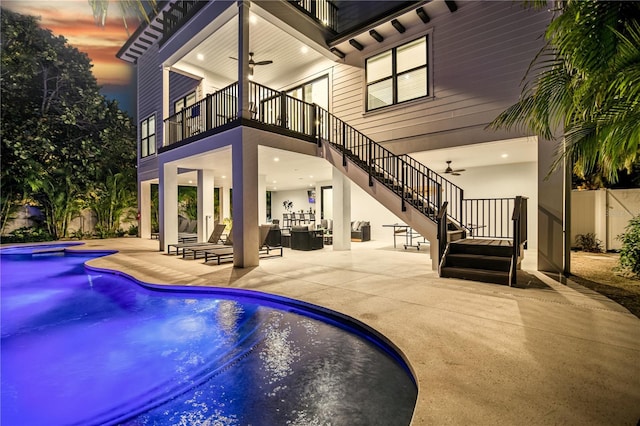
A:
[245,206]
[205,204]
[552,231]
[262,199]
[168,201]
[165,103]
[341,211]
[243,58]
[144,209]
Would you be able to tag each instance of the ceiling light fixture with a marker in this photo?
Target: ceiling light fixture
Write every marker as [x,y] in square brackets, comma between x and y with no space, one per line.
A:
[423,15]
[304,49]
[276,159]
[398,26]
[376,36]
[200,57]
[253,19]
[504,155]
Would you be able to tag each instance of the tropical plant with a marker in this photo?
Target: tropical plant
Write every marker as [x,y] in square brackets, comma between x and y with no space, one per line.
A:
[588,242]
[630,252]
[139,8]
[188,202]
[59,135]
[586,82]
[109,201]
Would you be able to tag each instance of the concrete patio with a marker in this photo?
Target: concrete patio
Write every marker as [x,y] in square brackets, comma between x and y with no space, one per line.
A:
[539,353]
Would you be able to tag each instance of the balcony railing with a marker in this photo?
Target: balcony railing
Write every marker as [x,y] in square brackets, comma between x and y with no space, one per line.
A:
[179,13]
[323,11]
[267,106]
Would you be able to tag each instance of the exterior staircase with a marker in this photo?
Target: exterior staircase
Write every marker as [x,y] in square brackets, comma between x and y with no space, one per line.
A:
[463,232]
[479,260]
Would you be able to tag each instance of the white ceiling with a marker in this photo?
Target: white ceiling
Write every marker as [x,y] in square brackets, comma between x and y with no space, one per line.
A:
[268,42]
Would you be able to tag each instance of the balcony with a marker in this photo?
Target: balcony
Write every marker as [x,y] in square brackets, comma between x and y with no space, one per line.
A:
[269,109]
[322,11]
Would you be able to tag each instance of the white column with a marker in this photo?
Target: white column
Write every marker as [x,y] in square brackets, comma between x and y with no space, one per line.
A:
[205,204]
[243,58]
[245,203]
[144,209]
[165,103]
[341,211]
[601,216]
[262,199]
[168,200]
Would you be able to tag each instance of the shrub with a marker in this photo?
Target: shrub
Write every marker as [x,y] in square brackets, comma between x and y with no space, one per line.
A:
[133,230]
[27,235]
[588,242]
[630,251]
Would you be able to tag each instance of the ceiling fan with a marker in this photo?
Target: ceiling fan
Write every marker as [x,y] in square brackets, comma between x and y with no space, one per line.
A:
[450,171]
[253,63]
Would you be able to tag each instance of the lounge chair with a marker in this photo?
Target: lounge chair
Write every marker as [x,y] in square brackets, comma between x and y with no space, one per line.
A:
[199,249]
[214,238]
[222,253]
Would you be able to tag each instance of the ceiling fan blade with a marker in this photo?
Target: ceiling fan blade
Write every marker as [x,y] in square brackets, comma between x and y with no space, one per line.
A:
[263,63]
[460,170]
[231,57]
[455,174]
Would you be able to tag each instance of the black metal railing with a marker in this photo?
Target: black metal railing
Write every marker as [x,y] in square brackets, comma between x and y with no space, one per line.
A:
[488,217]
[403,178]
[451,192]
[266,106]
[177,15]
[215,110]
[323,11]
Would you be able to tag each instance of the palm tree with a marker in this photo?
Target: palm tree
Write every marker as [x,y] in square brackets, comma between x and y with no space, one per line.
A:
[586,81]
[139,8]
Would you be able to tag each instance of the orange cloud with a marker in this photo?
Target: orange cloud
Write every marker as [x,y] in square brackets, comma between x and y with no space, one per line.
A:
[73,19]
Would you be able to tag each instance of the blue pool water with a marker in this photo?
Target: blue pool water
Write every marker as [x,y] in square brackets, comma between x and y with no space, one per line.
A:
[87,347]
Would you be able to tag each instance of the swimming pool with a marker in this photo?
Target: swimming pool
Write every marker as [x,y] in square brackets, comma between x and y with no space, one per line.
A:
[89,347]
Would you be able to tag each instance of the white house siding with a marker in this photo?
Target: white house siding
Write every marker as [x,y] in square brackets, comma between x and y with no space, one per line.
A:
[479,56]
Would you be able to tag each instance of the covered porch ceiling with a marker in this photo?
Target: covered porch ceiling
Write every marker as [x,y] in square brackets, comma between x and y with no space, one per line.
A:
[291,53]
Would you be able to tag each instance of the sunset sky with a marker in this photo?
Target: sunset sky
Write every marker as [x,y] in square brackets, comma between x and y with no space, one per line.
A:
[74,20]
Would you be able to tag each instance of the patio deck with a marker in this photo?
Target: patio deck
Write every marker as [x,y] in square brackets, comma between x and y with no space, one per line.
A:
[539,353]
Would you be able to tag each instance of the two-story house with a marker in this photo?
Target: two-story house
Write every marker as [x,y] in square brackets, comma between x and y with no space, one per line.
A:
[368,99]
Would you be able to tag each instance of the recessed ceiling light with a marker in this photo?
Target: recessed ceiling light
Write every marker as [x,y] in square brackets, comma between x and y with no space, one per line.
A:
[224,177]
[276,159]
[311,176]
[200,57]
[504,155]
[310,184]
[253,19]
[274,181]
[304,49]
[274,188]
[190,181]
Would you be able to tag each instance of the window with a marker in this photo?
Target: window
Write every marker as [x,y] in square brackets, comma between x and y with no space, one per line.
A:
[184,102]
[148,137]
[314,92]
[397,75]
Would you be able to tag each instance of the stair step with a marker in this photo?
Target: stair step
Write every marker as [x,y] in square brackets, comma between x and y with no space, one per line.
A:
[482,247]
[496,277]
[476,261]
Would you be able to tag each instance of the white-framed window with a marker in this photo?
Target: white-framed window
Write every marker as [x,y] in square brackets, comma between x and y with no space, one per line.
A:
[148,136]
[398,75]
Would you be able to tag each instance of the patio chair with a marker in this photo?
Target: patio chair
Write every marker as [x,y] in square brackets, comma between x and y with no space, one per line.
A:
[222,253]
[214,238]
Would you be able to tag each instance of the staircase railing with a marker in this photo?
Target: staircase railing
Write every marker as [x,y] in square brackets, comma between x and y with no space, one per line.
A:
[395,172]
[488,217]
